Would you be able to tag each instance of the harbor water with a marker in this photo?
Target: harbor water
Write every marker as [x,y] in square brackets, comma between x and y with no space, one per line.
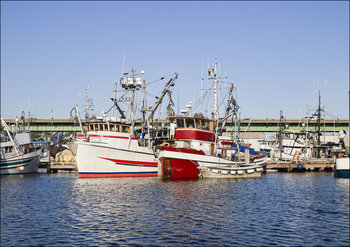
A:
[279,209]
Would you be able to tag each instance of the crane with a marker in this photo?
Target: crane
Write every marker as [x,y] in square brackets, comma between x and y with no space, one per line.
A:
[166,90]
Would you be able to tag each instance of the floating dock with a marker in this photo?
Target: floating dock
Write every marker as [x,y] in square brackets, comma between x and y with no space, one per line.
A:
[306,165]
[54,167]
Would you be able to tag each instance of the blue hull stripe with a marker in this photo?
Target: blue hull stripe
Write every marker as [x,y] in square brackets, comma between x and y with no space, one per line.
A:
[13,163]
[343,173]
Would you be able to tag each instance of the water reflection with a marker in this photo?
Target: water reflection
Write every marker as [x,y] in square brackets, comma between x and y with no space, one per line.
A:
[278,209]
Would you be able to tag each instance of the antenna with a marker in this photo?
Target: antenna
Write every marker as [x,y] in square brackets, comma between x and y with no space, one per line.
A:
[267,115]
[123,64]
[53,96]
[202,77]
[178,100]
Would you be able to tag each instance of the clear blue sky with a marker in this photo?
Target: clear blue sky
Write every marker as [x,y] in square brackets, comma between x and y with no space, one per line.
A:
[278,54]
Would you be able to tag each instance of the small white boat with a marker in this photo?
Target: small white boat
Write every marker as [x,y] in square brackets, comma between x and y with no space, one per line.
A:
[342,167]
[17,157]
[231,172]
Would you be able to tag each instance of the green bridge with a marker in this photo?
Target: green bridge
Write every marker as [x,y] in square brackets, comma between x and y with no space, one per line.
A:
[250,125]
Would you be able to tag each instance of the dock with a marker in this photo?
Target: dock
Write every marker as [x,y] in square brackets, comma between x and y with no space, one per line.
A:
[307,165]
[54,167]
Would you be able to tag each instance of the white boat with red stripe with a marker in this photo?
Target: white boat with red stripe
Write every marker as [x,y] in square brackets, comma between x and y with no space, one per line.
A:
[109,151]
[109,148]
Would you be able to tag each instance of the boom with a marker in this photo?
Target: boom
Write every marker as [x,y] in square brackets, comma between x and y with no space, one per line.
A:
[166,90]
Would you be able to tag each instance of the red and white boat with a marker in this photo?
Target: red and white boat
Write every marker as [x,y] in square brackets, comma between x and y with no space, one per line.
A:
[193,153]
[196,152]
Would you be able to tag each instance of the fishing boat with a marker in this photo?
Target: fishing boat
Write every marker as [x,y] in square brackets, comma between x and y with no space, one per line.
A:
[193,154]
[293,145]
[342,167]
[196,149]
[110,147]
[17,156]
[110,151]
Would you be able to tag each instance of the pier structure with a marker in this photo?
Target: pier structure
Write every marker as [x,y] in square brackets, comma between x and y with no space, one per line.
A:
[307,165]
[246,125]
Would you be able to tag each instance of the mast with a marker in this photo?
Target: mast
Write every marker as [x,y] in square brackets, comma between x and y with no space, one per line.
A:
[307,126]
[212,72]
[280,135]
[131,82]
[132,98]
[319,120]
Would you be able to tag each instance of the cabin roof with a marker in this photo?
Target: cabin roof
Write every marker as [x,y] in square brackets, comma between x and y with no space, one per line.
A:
[193,117]
[109,122]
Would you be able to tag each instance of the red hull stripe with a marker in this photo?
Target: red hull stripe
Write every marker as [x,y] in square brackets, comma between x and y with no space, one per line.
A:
[113,137]
[119,175]
[131,162]
[226,143]
[260,157]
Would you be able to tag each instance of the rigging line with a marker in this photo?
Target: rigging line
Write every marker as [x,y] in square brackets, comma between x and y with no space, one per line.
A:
[204,99]
[157,80]
[331,115]
[109,96]
[229,83]
[224,99]
[207,105]
[196,104]
[151,95]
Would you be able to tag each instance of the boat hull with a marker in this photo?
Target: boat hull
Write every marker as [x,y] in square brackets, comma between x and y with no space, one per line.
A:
[342,168]
[96,160]
[177,169]
[22,164]
[182,162]
[217,172]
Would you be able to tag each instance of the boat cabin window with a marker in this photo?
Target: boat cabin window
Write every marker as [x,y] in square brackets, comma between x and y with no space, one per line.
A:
[189,122]
[125,129]
[105,127]
[205,124]
[112,127]
[198,123]
[8,149]
[180,123]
